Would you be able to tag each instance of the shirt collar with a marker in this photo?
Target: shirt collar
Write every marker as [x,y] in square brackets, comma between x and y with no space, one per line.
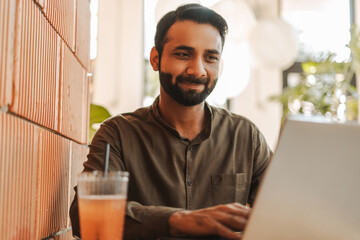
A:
[205,133]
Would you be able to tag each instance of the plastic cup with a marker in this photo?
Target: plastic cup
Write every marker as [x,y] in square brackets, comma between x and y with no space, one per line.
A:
[102,201]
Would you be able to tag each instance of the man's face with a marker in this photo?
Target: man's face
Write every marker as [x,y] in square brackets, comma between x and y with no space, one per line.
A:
[190,62]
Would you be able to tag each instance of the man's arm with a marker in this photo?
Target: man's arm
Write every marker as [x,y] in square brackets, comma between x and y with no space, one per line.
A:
[147,222]
[141,222]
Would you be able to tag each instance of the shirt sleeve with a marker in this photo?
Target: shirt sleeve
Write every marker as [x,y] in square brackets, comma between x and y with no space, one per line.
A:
[139,219]
[141,222]
[262,156]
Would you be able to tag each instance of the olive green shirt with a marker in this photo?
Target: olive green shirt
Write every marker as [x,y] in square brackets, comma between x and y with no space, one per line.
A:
[223,164]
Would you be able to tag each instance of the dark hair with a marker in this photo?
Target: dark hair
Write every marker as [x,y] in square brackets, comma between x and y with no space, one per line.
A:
[193,12]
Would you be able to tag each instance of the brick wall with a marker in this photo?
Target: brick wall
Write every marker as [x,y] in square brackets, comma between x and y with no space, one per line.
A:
[44,110]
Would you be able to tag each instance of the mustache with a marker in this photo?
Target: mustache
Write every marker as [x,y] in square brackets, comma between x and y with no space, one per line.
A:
[191,79]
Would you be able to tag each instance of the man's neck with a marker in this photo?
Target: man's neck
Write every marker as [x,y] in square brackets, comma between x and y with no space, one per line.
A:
[187,120]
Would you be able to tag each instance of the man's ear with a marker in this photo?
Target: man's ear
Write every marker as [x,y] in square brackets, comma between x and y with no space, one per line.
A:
[154,59]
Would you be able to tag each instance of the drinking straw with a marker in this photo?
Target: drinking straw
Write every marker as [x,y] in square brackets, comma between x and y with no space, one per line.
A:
[107,159]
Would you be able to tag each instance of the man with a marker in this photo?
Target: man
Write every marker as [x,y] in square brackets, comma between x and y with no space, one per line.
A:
[192,166]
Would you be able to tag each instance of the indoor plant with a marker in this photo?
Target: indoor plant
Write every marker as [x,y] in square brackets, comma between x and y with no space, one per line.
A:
[326,87]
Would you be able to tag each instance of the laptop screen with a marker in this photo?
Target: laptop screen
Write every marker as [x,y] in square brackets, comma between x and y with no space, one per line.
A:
[311,189]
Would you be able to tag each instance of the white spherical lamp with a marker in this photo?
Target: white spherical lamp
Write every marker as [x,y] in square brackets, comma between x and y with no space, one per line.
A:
[273,44]
[239,16]
[234,72]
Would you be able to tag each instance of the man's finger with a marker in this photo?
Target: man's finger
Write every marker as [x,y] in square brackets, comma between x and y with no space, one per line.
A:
[234,209]
[232,221]
[225,232]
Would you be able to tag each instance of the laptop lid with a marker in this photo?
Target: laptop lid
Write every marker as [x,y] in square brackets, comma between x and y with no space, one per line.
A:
[311,189]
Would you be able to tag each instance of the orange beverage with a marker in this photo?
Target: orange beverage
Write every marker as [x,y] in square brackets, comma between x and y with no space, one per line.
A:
[102,201]
[102,217]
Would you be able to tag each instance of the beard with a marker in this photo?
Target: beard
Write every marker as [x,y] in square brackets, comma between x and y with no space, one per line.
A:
[190,97]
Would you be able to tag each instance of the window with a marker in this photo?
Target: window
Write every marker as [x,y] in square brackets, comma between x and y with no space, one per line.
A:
[320,77]
[322,26]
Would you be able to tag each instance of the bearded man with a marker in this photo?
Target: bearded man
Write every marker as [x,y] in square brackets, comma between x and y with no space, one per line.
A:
[193,167]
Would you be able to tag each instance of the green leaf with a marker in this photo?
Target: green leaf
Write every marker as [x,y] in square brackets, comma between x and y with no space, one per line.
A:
[98,114]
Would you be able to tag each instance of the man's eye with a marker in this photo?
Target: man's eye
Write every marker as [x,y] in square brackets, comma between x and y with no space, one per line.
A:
[212,58]
[182,55]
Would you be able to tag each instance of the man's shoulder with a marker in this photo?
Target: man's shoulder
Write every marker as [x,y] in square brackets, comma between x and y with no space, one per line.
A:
[140,115]
[221,114]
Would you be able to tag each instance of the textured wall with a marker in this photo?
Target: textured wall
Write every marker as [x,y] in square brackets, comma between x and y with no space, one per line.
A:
[44,110]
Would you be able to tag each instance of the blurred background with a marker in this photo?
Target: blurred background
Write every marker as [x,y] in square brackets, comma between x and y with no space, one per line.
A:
[280,57]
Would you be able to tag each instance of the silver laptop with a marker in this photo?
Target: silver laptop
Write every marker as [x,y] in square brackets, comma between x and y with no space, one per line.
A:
[311,189]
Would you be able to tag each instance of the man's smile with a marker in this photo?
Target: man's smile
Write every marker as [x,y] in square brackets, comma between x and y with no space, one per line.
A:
[192,85]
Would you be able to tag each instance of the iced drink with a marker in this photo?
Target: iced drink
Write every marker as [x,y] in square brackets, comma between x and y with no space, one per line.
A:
[102,202]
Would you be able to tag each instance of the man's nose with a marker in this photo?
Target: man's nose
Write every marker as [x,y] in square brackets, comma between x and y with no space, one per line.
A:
[196,68]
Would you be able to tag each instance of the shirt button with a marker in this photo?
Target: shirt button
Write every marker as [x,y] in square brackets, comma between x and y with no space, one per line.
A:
[189,182]
[217,180]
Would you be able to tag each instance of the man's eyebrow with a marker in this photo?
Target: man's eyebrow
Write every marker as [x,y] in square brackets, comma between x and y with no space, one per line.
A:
[212,51]
[187,48]
[183,47]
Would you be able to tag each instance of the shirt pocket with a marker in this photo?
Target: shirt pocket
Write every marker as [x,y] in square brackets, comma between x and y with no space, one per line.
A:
[229,188]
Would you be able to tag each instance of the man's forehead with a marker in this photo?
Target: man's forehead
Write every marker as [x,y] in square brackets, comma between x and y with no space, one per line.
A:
[193,34]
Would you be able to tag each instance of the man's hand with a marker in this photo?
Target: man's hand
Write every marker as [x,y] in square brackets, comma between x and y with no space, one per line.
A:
[221,220]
